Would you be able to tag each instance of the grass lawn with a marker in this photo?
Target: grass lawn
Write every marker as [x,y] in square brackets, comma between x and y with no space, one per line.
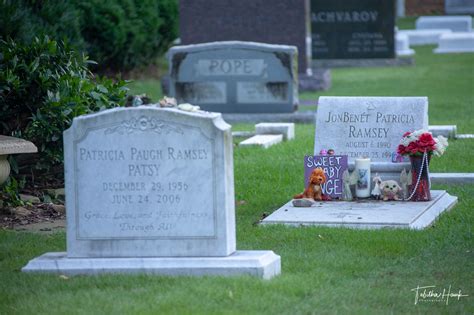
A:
[324,270]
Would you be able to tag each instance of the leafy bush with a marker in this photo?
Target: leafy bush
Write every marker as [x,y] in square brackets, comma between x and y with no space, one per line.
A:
[43,86]
[119,34]
[23,20]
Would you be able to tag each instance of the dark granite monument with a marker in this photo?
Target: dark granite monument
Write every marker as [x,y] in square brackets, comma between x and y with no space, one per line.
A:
[352,29]
[272,22]
[282,22]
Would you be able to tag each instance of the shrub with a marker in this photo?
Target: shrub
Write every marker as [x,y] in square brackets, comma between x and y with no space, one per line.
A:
[119,34]
[43,86]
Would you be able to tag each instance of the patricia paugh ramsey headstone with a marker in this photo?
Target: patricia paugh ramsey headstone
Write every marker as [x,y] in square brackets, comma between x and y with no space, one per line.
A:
[154,186]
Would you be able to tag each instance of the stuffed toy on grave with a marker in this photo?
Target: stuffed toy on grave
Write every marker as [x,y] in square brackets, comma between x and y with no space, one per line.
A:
[327,176]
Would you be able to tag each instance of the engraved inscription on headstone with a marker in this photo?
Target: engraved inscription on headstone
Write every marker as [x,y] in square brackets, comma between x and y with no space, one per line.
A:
[235,77]
[367,126]
[203,92]
[145,182]
[260,92]
[138,197]
[352,29]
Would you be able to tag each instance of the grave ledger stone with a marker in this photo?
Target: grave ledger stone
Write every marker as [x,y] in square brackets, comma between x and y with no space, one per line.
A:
[235,77]
[373,127]
[352,29]
[151,190]
[370,127]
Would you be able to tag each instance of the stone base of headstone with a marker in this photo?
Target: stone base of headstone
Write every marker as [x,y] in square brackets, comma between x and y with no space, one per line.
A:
[448,131]
[365,213]
[352,63]
[452,178]
[402,45]
[285,129]
[295,117]
[456,43]
[320,80]
[262,264]
[423,37]
[460,23]
[264,141]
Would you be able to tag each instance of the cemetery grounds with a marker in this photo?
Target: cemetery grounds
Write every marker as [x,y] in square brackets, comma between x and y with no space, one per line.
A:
[324,270]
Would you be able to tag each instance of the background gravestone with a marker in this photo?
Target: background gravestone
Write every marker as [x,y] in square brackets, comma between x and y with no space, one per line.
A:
[352,29]
[235,77]
[273,22]
[151,190]
[459,6]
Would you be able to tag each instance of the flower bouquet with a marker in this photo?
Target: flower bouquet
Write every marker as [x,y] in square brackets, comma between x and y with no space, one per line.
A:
[420,145]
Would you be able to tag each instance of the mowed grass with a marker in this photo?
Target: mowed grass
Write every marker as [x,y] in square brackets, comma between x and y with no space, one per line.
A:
[324,270]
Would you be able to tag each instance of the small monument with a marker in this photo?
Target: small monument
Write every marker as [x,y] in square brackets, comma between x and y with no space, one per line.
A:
[151,190]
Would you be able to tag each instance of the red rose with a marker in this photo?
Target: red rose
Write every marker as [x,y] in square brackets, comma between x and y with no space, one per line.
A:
[401,149]
[406,134]
[412,147]
[426,142]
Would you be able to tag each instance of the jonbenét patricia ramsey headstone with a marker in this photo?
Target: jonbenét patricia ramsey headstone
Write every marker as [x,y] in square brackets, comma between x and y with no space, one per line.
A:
[367,126]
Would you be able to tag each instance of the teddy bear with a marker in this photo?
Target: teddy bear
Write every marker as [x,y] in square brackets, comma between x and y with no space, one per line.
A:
[313,190]
[390,190]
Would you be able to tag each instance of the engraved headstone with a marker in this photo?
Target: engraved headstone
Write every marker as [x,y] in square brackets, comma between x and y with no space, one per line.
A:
[154,186]
[353,29]
[369,127]
[459,6]
[235,77]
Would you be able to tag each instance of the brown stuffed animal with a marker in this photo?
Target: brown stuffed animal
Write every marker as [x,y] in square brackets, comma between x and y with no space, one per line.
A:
[314,191]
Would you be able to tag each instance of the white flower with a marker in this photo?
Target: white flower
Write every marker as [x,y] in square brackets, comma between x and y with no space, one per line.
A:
[441,143]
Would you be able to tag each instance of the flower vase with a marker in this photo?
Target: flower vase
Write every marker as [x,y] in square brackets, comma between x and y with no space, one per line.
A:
[422,190]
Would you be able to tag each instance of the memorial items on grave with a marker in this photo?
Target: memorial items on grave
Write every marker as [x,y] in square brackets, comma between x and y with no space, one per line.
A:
[390,190]
[362,169]
[420,146]
[376,192]
[314,189]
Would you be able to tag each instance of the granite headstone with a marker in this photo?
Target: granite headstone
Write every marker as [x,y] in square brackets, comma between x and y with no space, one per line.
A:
[367,126]
[235,77]
[352,29]
[154,186]
[459,6]
[283,22]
